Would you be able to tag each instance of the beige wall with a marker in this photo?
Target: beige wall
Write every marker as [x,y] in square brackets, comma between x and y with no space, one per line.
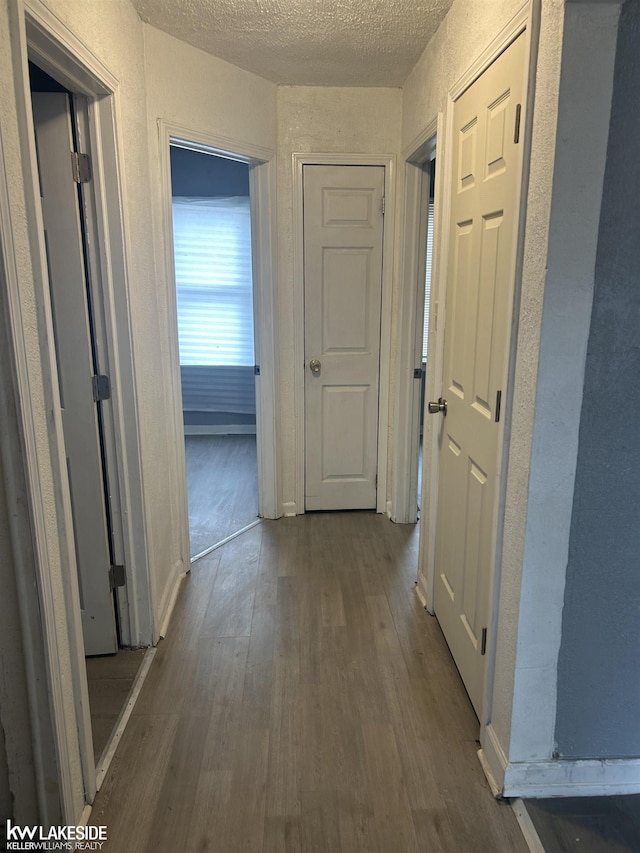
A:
[318,120]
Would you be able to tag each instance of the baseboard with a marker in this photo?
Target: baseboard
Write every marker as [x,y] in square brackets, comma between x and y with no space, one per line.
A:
[219,429]
[526,826]
[564,778]
[492,758]
[169,602]
[561,778]
[421,592]
[289,509]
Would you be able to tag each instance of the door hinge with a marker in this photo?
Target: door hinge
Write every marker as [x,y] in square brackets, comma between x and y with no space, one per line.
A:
[498,405]
[417,373]
[117,576]
[382,205]
[80,167]
[516,132]
[256,370]
[483,646]
[101,388]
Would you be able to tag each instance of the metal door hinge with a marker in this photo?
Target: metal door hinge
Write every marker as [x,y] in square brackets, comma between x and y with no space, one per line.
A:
[498,405]
[80,167]
[516,132]
[256,370]
[117,576]
[483,647]
[101,388]
[417,373]
[382,205]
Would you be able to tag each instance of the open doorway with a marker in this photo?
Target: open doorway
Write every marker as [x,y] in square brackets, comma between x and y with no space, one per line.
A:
[212,249]
[430,166]
[76,297]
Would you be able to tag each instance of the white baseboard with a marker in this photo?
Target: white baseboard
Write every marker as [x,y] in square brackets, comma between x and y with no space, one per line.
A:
[169,602]
[564,778]
[492,758]
[559,778]
[421,592]
[219,429]
[289,509]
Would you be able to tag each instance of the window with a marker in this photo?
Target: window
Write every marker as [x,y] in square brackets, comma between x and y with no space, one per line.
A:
[427,284]
[212,248]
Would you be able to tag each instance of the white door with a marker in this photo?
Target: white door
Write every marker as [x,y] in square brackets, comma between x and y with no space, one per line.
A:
[343,226]
[76,367]
[479,296]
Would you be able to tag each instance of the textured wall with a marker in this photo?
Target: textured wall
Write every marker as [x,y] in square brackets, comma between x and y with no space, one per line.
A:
[319,120]
[599,667]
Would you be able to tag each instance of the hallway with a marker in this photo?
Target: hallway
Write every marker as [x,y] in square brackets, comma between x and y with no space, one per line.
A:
[304,701]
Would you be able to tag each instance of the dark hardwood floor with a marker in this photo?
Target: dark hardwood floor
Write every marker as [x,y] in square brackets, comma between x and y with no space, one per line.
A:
[587,824]
[302,701]
[222,487]
[110,679]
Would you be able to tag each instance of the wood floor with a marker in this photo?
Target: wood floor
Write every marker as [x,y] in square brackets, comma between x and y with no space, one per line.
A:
[304,701]
[222,487]
[110,679]
[587,824]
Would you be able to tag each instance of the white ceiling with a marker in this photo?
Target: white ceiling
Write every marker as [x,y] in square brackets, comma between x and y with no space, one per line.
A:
[306,42]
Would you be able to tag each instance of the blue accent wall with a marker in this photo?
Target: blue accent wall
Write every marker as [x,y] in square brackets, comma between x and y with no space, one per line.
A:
[598,710]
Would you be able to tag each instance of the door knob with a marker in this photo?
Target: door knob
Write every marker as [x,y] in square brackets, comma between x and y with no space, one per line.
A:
[315,365]
[440,406]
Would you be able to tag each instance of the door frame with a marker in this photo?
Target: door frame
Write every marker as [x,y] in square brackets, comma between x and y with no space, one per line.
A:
[519,24]
[411,275]
[262,177]
[37,34]
[299,161]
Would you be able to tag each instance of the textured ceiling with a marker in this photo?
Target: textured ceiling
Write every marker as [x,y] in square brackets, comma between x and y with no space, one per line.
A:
[306,42]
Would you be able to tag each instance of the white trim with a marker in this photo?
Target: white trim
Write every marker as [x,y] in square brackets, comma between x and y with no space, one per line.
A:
[498,45]
[492,757]
[289,509]
[388,161]
[224,541]
[29,535]
[404,499]
[262,193]
[39,33]
[564,778]
[170,596]
[219,429]
[526,826]
[116,735]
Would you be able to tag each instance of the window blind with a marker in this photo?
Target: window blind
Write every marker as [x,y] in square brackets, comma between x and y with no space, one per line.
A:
[212,250]
[427,283]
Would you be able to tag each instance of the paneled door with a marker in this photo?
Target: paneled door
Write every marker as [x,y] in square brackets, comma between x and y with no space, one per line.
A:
[343,229]
[478,315]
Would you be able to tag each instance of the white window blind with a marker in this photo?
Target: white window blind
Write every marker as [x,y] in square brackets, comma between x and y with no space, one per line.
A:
[212,249]
[427,284]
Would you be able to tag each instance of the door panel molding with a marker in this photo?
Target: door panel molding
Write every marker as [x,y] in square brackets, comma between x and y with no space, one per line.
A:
[338,159]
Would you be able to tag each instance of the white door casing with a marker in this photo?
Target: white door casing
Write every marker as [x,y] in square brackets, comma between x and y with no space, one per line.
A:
[74,355]
[479,303]
[343,239]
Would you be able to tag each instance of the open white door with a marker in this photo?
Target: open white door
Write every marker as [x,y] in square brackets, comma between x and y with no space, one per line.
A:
[343,229]
[479,303]
[72,322]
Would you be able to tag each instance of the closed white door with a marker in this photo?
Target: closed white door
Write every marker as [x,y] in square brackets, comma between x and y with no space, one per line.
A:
[75,362]
[343,227]
[479,297]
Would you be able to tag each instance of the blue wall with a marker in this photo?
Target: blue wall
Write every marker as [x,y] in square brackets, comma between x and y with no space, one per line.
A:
[194,173]
[598,711]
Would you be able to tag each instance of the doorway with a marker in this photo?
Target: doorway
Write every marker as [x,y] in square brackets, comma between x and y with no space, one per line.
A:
[82,378]
[212,251]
